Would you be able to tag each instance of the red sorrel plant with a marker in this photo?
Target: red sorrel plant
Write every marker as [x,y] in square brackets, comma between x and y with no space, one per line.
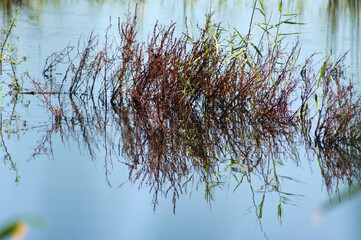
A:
[336,120]
[186,107]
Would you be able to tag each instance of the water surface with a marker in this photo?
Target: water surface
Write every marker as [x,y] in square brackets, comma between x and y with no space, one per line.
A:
[77,189]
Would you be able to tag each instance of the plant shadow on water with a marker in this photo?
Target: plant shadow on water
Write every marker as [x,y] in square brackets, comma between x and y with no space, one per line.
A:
[201,109]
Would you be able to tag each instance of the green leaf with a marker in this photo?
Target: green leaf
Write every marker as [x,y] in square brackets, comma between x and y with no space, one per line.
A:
[261,11]
[261,207]
[217,44]
[279,212]
[289,22]
[256,48]
[188,37]
[295,33]
[290,15]
[261,4]
[280,6]
[239,183]
[185,183]
[279,163]
[322,71]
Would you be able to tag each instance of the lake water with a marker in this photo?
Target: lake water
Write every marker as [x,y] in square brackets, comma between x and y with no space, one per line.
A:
[73,187]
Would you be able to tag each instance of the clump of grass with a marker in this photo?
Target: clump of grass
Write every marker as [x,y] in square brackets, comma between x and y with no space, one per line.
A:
[332,129]
[183,91]
[188,105]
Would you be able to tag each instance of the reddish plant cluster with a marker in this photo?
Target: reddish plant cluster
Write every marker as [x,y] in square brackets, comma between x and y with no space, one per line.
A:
[187,105]
[336,120]
[182,101]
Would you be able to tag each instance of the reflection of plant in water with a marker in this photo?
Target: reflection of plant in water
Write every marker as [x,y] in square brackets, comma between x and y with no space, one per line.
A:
[10,5]
[336,123]
[45,96]
[190,110]
[9,59]
[319,213]
[10,123]
[196,109]
[334,7]
[7,156]
[219,100]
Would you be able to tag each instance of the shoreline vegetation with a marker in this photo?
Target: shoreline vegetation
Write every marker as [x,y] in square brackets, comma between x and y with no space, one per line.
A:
[205,109]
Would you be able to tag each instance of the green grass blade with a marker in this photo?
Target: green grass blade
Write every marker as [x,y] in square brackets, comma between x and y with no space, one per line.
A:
[261,207]
[322,72]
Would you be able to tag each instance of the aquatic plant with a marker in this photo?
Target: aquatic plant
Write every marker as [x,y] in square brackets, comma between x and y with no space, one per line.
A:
[8,53]
[201,109]
[336,122]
